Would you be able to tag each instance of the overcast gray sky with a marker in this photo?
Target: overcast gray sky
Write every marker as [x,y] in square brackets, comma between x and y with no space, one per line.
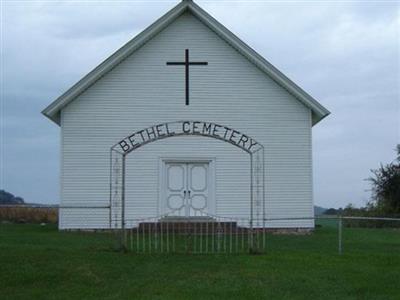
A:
[345,54]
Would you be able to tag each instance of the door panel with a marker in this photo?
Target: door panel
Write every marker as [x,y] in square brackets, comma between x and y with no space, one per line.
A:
[198,189]
[176,177]
[175,191]
[198,177]
[186,189]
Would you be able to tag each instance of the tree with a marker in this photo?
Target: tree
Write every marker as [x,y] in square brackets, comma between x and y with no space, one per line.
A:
[8,198]
[331,211]
[386,187]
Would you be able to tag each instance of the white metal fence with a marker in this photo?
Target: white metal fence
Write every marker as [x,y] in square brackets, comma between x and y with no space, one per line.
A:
[213,234]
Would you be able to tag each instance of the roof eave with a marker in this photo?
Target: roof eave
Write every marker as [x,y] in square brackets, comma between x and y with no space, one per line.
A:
[53,117]
[316,118]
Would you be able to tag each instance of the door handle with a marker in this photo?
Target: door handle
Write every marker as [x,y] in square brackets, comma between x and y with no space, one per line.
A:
[189,193]
[184,194]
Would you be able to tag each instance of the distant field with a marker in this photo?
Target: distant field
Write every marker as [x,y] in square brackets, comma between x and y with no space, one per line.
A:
[38,262]
[28,214]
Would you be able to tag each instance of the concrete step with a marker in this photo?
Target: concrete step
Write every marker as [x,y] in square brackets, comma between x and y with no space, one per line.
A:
[190,227]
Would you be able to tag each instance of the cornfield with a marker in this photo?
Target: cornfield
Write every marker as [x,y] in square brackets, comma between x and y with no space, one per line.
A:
[27,214]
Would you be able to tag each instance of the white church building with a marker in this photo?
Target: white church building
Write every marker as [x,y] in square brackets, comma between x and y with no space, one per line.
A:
[185,120]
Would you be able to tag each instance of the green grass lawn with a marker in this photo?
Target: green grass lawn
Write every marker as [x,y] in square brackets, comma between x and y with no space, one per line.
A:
[41,263]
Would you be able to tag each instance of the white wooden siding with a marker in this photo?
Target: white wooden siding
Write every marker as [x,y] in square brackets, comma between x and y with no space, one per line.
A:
[143,91]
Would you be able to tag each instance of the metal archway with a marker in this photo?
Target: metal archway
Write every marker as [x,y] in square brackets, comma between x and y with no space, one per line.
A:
[137,139]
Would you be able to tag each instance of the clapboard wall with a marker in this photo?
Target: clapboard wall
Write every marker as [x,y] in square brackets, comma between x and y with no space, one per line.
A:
[142,91]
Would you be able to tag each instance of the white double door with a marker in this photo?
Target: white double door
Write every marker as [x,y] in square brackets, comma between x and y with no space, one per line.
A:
[186,188]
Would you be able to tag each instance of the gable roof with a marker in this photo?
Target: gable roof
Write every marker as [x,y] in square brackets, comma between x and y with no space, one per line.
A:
[53,110]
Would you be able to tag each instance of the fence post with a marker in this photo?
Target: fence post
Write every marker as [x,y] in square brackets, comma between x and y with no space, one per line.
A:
[123,233]
[340,225]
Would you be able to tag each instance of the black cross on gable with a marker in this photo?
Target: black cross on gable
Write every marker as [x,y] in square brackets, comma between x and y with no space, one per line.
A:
[187,63]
